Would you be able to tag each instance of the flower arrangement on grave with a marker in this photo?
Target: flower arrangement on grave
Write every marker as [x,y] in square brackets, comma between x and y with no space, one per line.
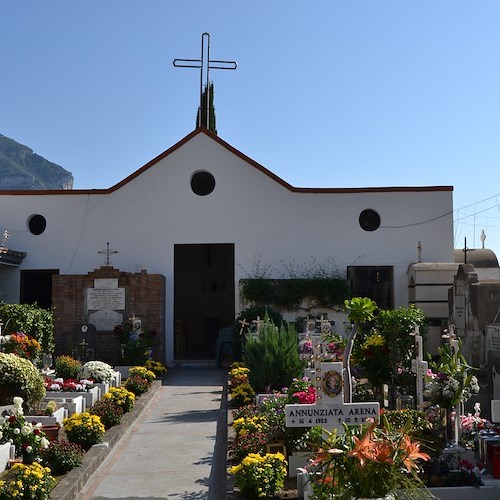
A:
[98,371]
[238,374]
[143,372]
[334,346]
[246,425]
[62,456]
[450,381]
[242,395]
[84,429]
[30,482]
[68,385]
[252,442]
[19,377]
[122,397]
[137,384]
[260,476]
[109,411]
[28,439]
[23,345]
[301,391]
[67,367]
[471,424]
[306,346]
[136,346]
[156,367]
[368,461]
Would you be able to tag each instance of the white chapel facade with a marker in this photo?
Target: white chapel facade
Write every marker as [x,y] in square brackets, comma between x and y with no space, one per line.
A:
[200,214]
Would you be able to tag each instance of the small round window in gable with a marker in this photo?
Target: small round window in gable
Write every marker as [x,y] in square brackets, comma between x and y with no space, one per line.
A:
[369,220]
[37,224]
[202,183]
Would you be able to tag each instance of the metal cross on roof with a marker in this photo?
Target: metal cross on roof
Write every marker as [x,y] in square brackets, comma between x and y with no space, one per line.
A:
[205,64]
[107,253]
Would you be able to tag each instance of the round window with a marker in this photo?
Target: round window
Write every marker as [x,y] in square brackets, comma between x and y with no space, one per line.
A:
[369,220]
[37,224]
[202,183]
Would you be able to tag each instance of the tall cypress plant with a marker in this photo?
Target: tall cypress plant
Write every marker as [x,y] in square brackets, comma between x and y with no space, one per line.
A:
[203,110]
[273,357]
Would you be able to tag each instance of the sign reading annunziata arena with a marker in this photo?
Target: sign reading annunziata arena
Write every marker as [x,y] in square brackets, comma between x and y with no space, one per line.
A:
[330,416]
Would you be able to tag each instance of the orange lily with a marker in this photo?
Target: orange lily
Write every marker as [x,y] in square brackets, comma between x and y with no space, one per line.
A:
[412,451]
[364,448]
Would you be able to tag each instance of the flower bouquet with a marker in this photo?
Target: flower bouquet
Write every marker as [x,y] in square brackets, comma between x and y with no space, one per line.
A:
[28,439]
[27,481]
[84,429]
[68,385]
[368,461]
[24,346]
[98,371]
[260,476]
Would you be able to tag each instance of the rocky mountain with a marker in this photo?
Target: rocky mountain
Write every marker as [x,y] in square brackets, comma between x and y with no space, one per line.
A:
[20,168]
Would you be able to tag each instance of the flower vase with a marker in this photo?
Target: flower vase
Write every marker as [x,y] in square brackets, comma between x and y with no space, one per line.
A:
[28,458]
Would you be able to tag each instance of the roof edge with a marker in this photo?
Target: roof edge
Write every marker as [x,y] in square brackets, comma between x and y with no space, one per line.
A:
[247,159]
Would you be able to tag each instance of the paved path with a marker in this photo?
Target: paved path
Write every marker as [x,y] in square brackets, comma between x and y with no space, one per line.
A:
[171,450]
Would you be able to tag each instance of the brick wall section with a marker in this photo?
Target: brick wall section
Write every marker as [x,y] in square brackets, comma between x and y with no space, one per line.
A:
[144,297]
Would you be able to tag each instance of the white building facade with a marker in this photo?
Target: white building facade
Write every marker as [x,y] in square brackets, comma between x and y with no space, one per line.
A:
[201,213]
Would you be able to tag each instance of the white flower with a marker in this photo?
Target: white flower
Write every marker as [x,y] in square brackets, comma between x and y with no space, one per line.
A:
[16,431]
[29,449]
[44,443]
[26,430]
[18,401]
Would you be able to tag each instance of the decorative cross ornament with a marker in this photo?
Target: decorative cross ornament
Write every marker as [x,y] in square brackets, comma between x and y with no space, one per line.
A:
[108,254]
[205,64]
[244,323]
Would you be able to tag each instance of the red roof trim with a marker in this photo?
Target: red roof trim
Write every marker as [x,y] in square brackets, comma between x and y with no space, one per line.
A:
[233,150]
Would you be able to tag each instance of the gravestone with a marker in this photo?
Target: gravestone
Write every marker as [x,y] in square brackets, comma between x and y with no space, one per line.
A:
[102,300]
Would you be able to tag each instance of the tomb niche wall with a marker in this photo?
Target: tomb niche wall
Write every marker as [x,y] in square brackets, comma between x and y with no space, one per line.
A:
[105,298]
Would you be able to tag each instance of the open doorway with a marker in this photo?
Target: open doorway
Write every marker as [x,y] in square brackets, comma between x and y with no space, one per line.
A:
[203,297]
[36,286]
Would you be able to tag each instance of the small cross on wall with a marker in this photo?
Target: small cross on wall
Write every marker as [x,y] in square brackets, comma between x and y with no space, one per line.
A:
[108,252]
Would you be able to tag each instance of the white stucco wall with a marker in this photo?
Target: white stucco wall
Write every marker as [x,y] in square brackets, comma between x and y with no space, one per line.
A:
[144,218]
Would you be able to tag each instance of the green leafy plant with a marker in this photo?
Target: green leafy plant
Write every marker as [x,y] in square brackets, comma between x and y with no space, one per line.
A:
[67,367]
[31,319]
[260,476]
[62,456]
[84,429]
[28,482]
[109,411]
[272,356]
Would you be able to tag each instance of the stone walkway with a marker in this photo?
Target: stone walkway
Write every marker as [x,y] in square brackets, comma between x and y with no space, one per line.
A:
[175,449]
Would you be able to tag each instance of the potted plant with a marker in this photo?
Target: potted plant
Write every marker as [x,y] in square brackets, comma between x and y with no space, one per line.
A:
[28,438]
[84,429]
[19,377]
[369,461]
[260,476]
[27,481]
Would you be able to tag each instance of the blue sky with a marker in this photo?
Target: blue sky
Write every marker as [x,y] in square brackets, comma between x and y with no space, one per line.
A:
[328,93]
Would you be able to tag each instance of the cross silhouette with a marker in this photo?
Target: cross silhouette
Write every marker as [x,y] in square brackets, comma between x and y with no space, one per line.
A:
[107,253]
[205,64]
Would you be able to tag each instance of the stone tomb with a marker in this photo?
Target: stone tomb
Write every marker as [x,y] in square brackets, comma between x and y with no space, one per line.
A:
[330,412]
[101,300]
